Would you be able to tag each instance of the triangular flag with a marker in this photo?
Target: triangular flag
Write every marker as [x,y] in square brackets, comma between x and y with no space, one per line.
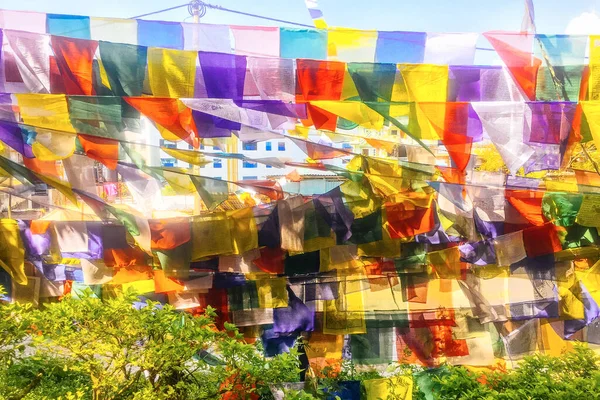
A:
[504,122]
[516,51]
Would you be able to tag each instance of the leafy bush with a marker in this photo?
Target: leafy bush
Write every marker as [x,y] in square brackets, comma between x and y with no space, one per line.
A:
[120,348]
[42,378]
[573,375]
[90,348]
[14,327]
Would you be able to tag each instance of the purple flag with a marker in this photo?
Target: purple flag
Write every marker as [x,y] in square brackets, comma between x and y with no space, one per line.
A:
[340,218]
[464,83]
[224,75]
[296,317]
[11,135]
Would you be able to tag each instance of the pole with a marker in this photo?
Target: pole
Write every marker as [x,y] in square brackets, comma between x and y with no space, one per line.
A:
[10,200]
[195,9]
[196,15]
[232,163]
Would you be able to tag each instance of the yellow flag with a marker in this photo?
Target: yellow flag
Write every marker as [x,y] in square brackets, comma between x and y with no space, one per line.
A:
[424,83]
[188,156]
[244,232]
[211,235]
[53,146]
[570,305]
[351,44]
[300,131]
[344,315]
[397,387]
[349,91]
[181,183]
[551,342]
[12,252]
[591,109]
[5,174]
[445,263]
[272,293]
[319,243]
[354,111]
[591,280]
[172,73]
[45,111]
[145,286]
[359,198]
[325,346]
[594,81]
[589,212]
[385,177]
[566,184]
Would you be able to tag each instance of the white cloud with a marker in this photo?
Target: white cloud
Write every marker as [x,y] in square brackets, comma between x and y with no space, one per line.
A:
[585,24]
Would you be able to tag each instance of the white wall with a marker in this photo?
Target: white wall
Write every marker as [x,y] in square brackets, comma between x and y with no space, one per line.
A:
[156,157]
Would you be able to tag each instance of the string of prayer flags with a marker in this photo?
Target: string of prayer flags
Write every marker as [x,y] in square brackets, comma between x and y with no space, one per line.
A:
[372,191]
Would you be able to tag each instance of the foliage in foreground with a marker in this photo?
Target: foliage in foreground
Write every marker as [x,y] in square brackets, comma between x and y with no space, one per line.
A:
[573,375]
[92,349]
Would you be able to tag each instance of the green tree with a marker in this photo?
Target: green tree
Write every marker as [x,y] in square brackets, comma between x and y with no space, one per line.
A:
[124,349]
[573,375]
[15,324]
[153,351]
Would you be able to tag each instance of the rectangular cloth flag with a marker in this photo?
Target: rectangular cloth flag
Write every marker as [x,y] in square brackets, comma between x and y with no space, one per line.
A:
[73,26]
[303,43]
[164,34]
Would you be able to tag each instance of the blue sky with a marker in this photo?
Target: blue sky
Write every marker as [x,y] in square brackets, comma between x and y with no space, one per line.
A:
[552,16]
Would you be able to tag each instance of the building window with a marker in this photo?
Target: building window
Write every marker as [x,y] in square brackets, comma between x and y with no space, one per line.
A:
[280,146]
[269,166]
[269,147]
[216,148]
[40,189]
[201,147]
[395,132]
[168,162]
[365,152]
[250,178]
[250,164]
[217,163]
[167,144]
[250,146]
[347,146]
[190,147]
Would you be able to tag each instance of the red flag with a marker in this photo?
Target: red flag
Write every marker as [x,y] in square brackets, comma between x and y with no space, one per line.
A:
[319,80]
[516,51]
[74,59]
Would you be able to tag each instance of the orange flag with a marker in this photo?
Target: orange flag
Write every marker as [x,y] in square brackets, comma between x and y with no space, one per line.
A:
[170,114]
[100,149]
[294,176]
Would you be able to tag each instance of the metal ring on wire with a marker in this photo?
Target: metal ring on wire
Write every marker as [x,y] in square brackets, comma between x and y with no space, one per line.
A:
[197,6]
